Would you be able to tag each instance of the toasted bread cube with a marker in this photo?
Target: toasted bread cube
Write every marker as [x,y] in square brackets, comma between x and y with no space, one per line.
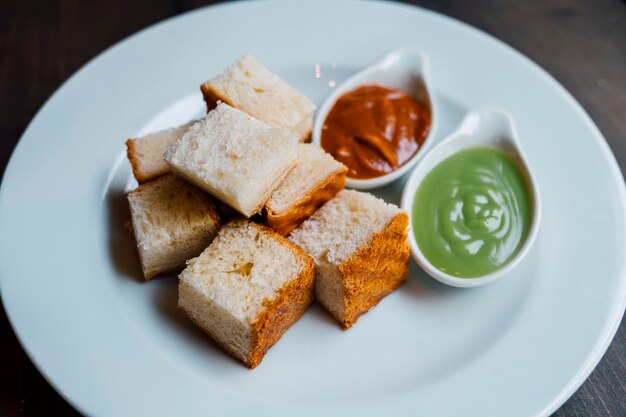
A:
[173,221]
[316,179]
[238,159]
[246,289]
[249,86]
[359,244]
[146,153]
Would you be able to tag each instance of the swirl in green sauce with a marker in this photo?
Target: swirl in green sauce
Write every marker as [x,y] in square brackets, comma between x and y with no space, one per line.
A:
[471,212]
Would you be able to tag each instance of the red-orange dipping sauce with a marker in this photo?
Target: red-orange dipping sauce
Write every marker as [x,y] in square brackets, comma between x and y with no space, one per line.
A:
[374,130]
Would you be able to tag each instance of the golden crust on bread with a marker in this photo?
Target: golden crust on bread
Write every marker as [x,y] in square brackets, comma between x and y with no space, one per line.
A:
[301,210]
[273,315]
[279,314]
[211,97]
[290,304]
[374,271]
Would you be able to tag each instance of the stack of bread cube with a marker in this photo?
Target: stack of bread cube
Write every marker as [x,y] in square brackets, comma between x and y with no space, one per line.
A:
[255,221]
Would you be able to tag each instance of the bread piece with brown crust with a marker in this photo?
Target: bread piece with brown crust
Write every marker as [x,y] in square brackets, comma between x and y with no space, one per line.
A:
[247,288]
[236,158]
[250,87]
[359,244]
[146,153]
[316,179]
[173,221]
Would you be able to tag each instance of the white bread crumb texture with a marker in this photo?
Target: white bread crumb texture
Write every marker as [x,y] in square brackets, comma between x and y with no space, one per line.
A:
[173,221]
[161,140]
[342,226]
[253,88]
[234,156]
[146,153]
[245,266]
[168,210]
[232,333]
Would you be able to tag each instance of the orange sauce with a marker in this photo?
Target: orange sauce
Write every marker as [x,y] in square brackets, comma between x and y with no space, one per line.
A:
[374,130]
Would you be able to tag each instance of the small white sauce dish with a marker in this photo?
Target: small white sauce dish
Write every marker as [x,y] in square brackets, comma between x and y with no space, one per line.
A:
[485,127]
[402,69]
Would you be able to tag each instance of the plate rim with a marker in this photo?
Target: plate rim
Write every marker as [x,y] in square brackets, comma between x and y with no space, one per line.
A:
[612,323]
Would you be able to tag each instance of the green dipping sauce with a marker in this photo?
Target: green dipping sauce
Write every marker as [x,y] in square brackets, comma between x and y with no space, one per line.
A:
[471,212]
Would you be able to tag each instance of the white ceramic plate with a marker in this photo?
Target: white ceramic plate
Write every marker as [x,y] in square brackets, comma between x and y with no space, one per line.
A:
[114,346]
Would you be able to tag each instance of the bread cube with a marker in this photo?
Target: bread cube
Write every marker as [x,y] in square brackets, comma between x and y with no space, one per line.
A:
[146,153]
[246,289]
[249,86]
[359,244]
[238,159]
[173,221]
[316,179]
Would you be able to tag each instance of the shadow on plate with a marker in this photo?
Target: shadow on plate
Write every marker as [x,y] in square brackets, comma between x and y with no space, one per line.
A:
[321,316]
[165,298]
[422,286]
[122,246]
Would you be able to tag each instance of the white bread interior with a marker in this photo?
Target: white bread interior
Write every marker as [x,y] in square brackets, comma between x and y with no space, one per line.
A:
[146,153]
[173,221]
[235,157]
[348,225]
[343,226]
[316,178]
[249,86]
[230,287]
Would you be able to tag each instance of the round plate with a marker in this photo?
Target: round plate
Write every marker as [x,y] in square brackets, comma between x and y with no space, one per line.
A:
[113,345]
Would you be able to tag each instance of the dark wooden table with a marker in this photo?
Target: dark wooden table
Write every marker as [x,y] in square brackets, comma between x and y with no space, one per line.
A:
[42,42]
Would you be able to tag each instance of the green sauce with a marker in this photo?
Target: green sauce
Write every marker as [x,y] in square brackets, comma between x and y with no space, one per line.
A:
[471,212]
